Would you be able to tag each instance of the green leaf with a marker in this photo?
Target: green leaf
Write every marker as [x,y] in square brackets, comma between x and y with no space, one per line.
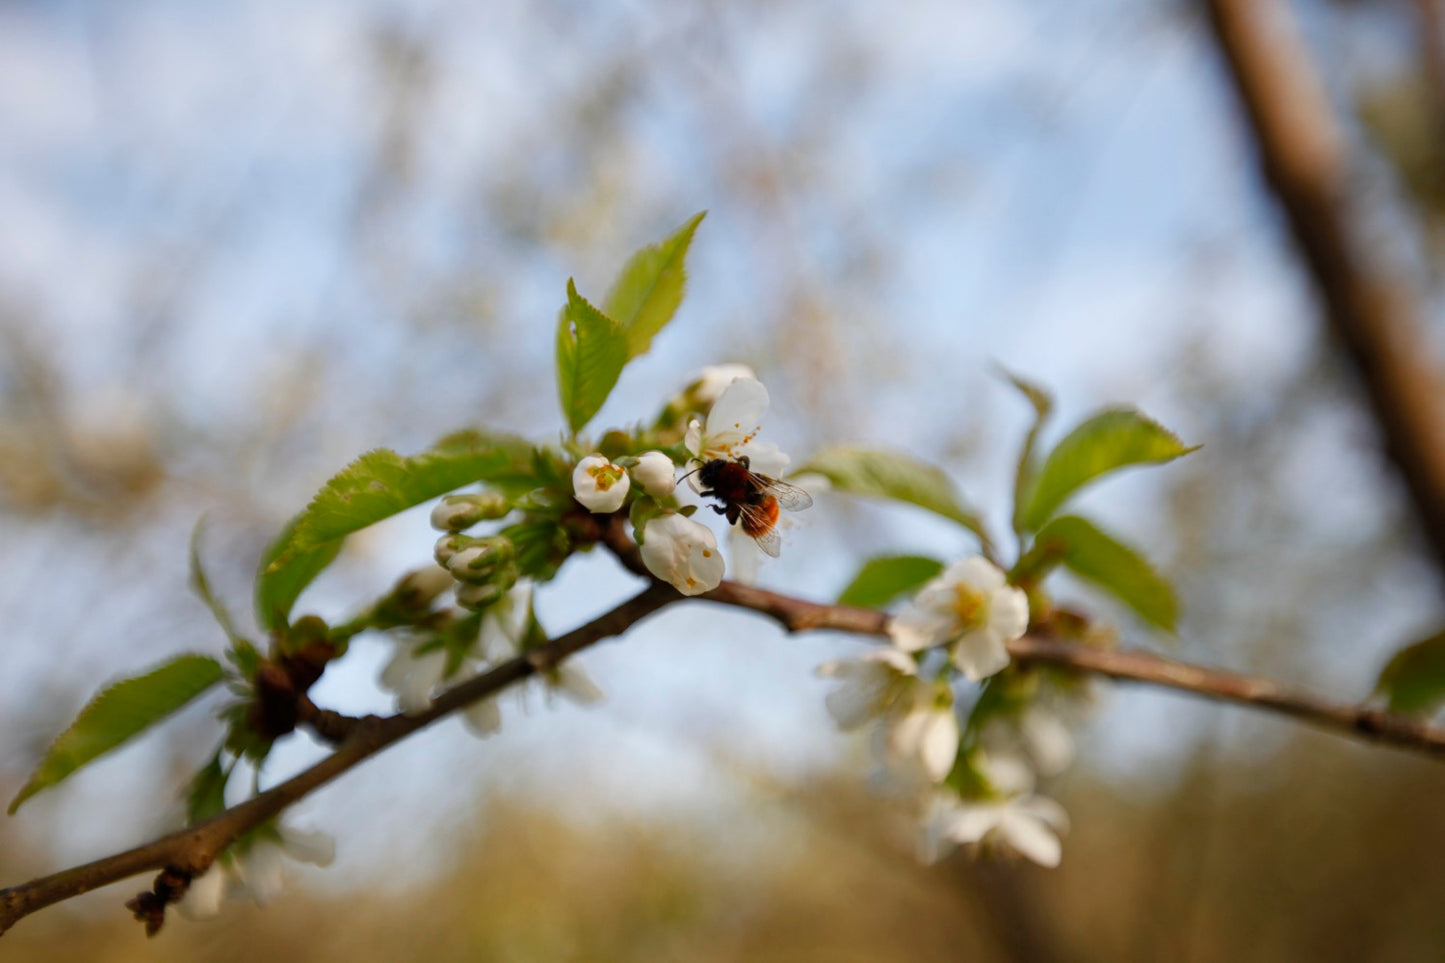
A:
[1108,441]
[646,294]
[883,579]
[206,795]
[1110,564]
[1414,680]
[118,714]
[592,350]
[886,474]
[277,589]
[202,586]
[1028,463]
[376,486]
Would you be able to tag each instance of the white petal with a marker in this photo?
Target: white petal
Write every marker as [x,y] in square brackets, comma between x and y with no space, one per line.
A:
[896,659]
[1008,612]
[765,458]
[747,557]
[1006,773]
[1048,740]
[738,410]
[970,822]
[939,747]
[693,442]
[851,706]
[1030,838]
[713,380]
[914,629]
[259,871]
[308,846]
[574,683]
[413,679]
[976,572]
[483,717]
[979,654]
[203,897]
[1045,810]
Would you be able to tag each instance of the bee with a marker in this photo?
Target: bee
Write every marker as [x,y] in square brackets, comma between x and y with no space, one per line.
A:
[750,500]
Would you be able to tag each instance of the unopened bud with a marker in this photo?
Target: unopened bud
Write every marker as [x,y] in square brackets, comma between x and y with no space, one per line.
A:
[449,545]
[456,513]
[655,473]
[417,590]
[479,561]
[478,595]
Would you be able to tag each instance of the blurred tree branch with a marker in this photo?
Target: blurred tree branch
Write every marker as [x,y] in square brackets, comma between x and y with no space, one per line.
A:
[1374,314]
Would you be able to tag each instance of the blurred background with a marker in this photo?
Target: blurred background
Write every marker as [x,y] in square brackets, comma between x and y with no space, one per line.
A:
[241,243]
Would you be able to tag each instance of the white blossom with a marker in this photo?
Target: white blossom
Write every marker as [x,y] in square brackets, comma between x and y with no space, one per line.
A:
[714,379]
[599,485]
[872,683]
[971,608]
[257,872]
[883,684]
[1026,824]
[655,473]
[929,734]
[1035,735]
[412,676]
[679,550]
[731,429]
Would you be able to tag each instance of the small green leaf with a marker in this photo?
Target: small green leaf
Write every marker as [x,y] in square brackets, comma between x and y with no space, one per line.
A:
[1108,441]
[1414,680]
[883,579]
[118,714]
[1115,567]
[202,586]
[1028,463]
[206,795]
[592,350]
[376,486]
[646,294]
[886,474]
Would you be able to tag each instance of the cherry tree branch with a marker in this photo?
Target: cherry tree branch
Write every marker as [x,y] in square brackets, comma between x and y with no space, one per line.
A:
[191,851]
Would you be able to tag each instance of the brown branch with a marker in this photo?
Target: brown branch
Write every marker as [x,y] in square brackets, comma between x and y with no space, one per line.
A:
[1362,722]
[1372,313]
[191,851]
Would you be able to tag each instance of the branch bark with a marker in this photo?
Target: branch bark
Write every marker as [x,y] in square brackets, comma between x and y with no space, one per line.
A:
[1374,315]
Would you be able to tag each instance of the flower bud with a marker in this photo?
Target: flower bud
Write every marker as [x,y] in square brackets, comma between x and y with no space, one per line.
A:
[456,513]
[479,595]
[480,560]
[656,473]
[599,485]
[449,545]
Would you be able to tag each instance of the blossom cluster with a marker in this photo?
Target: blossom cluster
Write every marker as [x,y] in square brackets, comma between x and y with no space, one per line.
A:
[982,775]
[673,546]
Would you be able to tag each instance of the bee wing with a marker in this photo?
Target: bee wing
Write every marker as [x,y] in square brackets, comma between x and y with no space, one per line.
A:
[791,497]
[769,542]
[760,524]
